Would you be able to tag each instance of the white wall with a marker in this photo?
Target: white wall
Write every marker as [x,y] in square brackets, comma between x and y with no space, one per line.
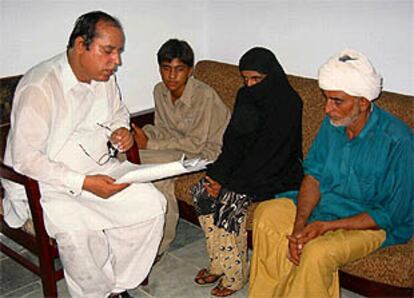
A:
[32,31]
[303,34]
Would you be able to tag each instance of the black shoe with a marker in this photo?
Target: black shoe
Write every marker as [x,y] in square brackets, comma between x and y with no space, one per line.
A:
[124,294]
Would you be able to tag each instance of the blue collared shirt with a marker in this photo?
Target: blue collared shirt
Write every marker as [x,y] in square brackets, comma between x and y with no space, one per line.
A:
[372,173]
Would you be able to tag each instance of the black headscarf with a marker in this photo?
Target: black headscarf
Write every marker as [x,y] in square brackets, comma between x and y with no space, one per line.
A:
[261,60]
[262,146]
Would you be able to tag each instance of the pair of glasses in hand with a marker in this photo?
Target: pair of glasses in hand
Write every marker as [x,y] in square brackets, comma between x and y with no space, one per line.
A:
[111,153]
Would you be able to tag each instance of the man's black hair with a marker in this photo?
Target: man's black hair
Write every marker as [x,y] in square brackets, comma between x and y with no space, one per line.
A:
[176,49]
[85,27]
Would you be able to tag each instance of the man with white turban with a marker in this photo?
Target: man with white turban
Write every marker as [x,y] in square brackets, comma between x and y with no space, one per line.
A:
[357,194]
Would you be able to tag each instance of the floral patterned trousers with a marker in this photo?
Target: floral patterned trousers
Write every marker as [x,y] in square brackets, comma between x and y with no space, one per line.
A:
[227,252]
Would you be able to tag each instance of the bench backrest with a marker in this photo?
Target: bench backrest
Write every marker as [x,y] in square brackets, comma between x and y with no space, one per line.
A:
[226,80]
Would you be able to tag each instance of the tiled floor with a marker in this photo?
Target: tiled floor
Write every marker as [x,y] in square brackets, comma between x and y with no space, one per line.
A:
[171,277]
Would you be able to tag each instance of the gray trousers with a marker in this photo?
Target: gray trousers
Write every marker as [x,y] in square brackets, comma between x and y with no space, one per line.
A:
[166,187]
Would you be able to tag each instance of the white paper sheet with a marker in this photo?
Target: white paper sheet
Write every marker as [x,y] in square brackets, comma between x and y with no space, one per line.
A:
[132,173]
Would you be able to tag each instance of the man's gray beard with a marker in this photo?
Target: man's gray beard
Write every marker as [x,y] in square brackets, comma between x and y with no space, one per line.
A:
[343,124]
[347,120]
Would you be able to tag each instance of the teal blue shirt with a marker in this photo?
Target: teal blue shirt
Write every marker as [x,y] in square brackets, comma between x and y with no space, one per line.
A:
[372,173]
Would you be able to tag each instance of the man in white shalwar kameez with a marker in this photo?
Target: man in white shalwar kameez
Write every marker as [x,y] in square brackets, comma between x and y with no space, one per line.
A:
[65,111]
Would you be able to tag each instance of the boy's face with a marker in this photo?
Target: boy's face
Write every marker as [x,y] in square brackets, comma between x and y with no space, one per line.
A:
[175,74]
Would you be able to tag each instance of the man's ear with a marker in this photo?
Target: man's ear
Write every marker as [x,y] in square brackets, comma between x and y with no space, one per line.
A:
[364,104]
[80,44]
[190,73]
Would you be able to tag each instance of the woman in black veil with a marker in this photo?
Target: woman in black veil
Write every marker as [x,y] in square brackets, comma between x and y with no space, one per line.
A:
[261,158]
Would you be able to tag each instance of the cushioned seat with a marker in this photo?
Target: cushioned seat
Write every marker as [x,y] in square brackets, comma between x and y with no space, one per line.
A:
[392,265]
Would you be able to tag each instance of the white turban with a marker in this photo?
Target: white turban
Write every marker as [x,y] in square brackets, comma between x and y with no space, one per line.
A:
[350,72]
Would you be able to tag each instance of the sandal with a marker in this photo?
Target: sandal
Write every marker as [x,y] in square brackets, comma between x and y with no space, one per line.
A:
[205,278]
[222,291]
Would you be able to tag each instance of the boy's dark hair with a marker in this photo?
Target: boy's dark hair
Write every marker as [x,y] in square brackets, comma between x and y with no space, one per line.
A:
[175,48]
[85,26]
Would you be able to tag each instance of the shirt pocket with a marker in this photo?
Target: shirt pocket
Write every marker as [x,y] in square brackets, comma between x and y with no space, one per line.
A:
[186,124]
[361,188]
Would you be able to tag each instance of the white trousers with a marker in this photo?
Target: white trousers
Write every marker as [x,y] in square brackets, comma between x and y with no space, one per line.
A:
[98,263]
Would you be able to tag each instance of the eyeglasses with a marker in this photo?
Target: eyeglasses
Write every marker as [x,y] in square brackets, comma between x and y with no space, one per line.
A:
[112,150]
[106,127]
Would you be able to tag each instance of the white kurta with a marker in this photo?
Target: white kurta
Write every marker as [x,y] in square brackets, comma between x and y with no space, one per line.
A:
[53,114]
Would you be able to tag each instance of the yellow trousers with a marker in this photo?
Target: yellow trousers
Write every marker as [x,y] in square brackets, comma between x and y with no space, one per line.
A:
[273,275]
